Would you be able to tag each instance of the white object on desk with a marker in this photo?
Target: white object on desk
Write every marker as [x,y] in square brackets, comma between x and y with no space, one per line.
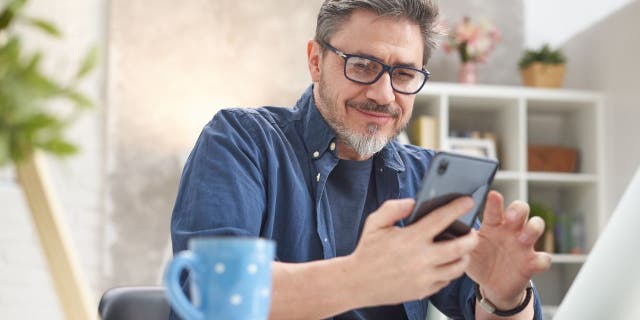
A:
[608,285]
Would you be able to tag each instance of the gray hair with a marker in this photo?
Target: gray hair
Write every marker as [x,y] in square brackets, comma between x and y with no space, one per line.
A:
[333,13]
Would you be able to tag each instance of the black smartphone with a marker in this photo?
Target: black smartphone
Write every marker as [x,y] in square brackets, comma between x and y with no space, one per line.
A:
[449,177]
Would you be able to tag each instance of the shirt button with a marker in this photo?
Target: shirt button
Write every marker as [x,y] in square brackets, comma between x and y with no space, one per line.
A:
[318,177]
[326,240]
[381,169]
[316,154]
[332,146]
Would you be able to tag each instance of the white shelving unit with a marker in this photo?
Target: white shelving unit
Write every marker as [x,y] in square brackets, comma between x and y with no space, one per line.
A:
[521,116]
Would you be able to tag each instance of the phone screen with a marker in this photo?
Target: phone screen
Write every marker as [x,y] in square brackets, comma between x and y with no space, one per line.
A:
[449,177]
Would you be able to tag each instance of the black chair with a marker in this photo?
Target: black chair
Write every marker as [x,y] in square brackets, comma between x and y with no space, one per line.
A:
[139,303]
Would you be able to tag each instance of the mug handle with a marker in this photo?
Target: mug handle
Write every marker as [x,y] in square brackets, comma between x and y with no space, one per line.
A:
[177,298]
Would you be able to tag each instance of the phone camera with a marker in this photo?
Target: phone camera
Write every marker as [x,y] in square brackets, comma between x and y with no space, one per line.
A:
[442,166]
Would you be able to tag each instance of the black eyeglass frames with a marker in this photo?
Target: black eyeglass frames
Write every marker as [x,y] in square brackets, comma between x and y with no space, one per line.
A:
[367,70]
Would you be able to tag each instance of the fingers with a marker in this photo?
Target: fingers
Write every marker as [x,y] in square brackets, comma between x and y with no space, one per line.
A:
[516,215]
[454,269]
[439,219]
[531,232]
[452,250]
[533,229]
[389,213]
[541,263]
[493,209]
[444,274]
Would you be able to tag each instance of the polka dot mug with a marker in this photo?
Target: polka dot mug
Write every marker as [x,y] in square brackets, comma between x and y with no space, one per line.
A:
[229,278]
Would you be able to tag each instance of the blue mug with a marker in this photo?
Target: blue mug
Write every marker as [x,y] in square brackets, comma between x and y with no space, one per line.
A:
[230,278]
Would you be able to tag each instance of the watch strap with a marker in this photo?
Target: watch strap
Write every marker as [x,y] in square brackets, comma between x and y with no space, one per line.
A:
[491,308]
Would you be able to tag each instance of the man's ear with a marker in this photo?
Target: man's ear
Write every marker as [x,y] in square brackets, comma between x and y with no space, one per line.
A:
[314,52]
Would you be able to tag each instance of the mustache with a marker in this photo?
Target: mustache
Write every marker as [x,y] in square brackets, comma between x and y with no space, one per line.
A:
[372,106]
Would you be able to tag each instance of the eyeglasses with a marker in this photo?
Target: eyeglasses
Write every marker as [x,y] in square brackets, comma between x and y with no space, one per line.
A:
[366,70]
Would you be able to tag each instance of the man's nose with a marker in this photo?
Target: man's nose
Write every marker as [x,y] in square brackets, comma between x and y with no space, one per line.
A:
[381,91]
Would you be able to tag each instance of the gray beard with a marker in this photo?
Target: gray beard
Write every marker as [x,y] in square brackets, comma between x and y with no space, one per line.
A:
[365,145]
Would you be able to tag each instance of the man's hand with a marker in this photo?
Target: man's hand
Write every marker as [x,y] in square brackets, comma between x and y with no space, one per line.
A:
[392,264]
[505,259]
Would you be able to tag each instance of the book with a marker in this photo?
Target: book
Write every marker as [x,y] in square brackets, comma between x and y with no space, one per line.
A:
[424,132]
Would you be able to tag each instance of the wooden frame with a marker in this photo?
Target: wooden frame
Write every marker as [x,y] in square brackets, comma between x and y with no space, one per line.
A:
[68,282]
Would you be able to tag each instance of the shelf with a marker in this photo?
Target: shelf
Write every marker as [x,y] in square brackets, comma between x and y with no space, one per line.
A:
[500,92]
[568,258]
[561,178]
[507,175]
[515,118]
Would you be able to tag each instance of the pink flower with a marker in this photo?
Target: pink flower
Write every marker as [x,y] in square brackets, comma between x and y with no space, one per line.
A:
[473,40]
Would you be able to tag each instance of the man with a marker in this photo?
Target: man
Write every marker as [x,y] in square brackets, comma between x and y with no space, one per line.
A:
[323,179]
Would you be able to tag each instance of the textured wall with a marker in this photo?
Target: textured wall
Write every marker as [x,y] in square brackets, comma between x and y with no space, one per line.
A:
[174,64]
[501,68]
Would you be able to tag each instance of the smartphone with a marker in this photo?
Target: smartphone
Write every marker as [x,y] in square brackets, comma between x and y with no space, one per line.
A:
[449,177]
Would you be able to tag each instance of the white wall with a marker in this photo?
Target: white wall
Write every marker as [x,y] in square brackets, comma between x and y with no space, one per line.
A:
[26,290]
[554,22]
[604,57]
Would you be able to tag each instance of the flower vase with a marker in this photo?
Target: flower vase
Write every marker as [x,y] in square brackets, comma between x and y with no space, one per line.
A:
[467,73]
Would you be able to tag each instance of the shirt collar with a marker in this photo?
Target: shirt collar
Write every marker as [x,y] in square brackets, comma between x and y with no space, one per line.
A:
[317,133]
[319,136]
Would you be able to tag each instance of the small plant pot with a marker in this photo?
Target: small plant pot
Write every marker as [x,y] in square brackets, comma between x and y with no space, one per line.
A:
[543,75]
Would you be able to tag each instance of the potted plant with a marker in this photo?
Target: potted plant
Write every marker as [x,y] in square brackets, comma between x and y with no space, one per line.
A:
[29,124]
[543,67]
[547,242]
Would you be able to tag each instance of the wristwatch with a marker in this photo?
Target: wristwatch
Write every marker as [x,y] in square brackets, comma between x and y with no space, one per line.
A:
[491,308]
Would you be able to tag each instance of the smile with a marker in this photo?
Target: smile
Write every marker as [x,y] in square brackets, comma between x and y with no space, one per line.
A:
[378,114]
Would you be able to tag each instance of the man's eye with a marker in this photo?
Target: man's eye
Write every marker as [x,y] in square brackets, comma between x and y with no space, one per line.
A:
[404,75]
[361,65]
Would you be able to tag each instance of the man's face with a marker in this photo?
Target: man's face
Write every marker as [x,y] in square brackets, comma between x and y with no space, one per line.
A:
[365,117]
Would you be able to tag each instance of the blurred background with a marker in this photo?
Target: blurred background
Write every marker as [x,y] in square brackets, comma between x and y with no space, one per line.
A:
[166,67]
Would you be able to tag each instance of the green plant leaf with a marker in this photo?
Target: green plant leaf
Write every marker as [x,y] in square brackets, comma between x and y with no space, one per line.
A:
[78,98]
[40,121]
[20,145]
[39,86]
[542,211]
[88,63]
[5,18]
[4,149]
[9,13]
[543,55]
[11,51]
[59,147]
[44,26]
[26,92]
[34,63]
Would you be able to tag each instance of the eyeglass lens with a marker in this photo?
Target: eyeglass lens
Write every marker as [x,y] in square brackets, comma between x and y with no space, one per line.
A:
[367,71]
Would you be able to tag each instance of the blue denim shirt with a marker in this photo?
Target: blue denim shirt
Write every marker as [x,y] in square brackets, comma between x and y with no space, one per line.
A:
[263,172]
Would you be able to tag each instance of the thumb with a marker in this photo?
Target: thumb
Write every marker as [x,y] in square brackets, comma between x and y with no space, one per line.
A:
[390,212]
